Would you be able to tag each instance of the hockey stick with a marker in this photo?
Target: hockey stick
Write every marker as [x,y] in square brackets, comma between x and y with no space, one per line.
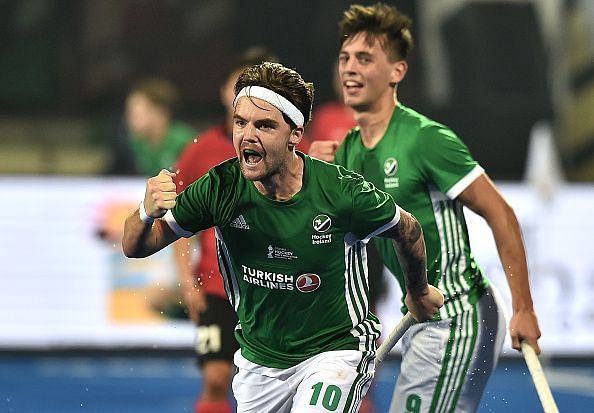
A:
[539,379]
[393,338]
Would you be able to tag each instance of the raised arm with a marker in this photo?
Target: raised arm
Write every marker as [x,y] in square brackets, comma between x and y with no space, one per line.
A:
[422,299]
[483,198]
[144,232]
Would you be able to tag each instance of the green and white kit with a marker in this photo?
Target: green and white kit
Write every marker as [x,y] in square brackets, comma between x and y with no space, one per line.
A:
[425,167]
[294,271]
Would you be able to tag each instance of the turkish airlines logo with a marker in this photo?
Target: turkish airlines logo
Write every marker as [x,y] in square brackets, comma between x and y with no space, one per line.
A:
[322,223]
[390,166]
[306,283]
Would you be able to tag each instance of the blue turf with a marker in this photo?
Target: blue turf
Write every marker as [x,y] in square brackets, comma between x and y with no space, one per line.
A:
[168,383]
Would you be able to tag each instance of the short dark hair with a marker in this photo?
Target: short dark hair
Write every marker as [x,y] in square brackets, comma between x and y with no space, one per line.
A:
[382,22]
[160,92]
[282,80]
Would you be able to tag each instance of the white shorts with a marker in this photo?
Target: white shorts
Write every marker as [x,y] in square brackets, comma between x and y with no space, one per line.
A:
[446,364]
[334,381]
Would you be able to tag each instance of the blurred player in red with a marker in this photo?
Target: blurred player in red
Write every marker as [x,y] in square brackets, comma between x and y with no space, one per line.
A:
[332,120]
[202,285]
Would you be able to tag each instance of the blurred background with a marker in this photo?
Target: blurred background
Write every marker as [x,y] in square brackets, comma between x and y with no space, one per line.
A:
[515,80]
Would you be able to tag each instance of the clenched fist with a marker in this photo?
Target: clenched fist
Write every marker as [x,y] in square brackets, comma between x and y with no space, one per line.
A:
[160,194]
[425,305]
[324,150]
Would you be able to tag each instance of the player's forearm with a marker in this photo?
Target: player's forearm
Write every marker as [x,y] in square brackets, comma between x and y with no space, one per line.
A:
[142,239]
[410,250]
[510,246]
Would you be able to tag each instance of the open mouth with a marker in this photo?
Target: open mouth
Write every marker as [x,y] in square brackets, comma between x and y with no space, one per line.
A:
[251,157]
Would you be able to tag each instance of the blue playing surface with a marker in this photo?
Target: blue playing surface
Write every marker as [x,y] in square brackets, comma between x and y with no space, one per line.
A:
[108,382]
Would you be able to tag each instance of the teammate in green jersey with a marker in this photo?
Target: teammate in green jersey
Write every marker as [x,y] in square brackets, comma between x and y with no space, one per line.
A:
[429,172]
[291,234]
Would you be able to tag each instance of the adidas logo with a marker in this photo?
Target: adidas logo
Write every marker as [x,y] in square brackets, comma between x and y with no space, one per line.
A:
[240,223]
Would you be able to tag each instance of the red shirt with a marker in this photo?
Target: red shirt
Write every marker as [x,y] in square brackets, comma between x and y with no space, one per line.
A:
[331,121]
[212,147]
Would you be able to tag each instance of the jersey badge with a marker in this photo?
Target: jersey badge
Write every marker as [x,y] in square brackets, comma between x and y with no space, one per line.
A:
[322,223]
[390,169]
[390,166]
[306,283]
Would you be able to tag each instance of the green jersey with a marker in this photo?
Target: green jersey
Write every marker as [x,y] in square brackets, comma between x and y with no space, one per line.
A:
[295,271]
[425,166]
[150,159]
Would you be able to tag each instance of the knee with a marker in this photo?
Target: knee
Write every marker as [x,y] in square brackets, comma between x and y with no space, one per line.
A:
[216,388]
[216,380]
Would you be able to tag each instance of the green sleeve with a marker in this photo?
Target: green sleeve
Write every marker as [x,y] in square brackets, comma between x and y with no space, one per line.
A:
[194,206]
[444,159]
[373,210]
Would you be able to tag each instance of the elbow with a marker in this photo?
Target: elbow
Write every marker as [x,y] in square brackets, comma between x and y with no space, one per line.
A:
[128,252]
[507,214]
[131,252]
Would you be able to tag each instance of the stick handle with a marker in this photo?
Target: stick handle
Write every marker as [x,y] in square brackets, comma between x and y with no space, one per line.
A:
[393,337]
[539,379]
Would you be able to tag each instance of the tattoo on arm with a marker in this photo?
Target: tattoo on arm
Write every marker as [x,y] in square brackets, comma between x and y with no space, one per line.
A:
[410,249]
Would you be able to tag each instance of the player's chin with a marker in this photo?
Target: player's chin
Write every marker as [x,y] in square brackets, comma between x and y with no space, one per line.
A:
[357,104]
[252,172]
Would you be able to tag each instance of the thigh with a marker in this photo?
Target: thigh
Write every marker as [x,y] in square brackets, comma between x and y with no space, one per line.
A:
[215,339]
[446,364]
[256,392]
[334,381]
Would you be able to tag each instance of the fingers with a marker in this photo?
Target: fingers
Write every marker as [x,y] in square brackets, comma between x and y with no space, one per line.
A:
[160,194]
[324,150]
[433,302]
[534,345]
[516,340]
[524,327]
[424,308]
[437,296]
[516,343]
[165,172]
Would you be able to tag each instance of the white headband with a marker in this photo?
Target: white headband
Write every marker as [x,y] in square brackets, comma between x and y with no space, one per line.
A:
[276,100]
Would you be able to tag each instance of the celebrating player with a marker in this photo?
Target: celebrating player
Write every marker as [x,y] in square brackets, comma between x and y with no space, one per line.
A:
[291,234]
[430,172]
